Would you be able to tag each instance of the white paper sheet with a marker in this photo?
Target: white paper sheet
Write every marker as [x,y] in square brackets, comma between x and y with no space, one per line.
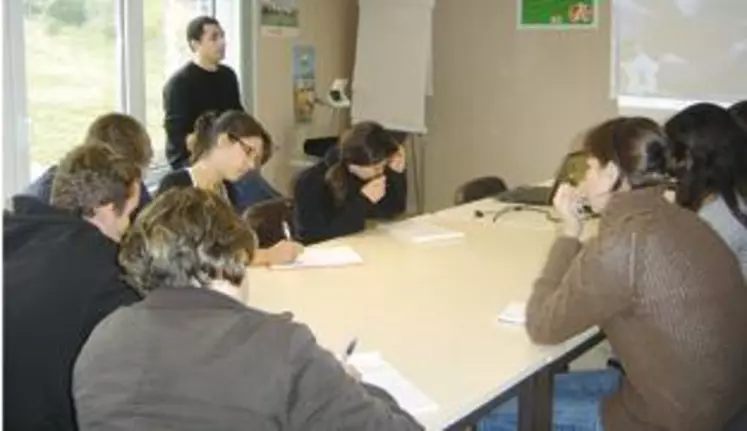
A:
[420,231]
[324,257]
[376,371]
[515,313]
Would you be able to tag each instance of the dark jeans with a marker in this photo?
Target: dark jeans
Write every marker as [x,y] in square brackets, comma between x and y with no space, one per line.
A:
[576,405]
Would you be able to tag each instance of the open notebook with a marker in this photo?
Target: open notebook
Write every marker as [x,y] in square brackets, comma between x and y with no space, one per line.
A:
[324,257]
[376,371]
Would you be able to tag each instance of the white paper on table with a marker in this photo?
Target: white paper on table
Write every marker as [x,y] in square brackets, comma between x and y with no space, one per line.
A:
[515,313]
[376,371]
[420,231]
[324,257]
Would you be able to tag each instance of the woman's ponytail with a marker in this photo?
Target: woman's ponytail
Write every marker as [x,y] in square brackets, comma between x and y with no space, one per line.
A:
[199,141]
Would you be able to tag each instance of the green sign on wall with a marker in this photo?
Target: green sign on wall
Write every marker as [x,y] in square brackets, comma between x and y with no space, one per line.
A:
[557,14]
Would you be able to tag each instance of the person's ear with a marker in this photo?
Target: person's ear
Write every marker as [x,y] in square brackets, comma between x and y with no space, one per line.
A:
[193,45]
[134,194]
[612,172]
[105,211]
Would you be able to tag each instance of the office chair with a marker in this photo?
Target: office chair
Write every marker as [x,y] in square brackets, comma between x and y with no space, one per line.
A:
[479,188]
[267,219]
[318,147]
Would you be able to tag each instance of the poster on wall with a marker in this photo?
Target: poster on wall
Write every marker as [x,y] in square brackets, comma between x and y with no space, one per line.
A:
[279,18]
[304,82]
[557,14]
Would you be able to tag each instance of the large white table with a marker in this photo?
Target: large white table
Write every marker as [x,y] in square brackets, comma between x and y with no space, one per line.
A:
[431,310]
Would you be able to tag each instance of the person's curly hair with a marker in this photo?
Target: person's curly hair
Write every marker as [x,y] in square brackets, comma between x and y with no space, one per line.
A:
[186,237]
[93,175]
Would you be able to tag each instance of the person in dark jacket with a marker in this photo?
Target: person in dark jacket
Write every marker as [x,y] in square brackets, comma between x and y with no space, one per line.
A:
[60,278]
[203,85]
[363,177]
[224,148]
[192,356]
[124,134]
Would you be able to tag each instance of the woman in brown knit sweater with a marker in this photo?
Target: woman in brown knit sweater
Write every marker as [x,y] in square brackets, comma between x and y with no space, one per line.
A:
[663,287]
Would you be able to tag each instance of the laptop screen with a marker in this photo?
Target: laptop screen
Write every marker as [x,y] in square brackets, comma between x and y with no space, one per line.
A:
[573,169]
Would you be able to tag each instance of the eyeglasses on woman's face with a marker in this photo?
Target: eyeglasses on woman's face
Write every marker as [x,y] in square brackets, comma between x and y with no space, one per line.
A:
[252,145]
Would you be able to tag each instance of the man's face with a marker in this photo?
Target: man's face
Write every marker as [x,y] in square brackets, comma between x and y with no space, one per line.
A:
[212,44]
[113,223]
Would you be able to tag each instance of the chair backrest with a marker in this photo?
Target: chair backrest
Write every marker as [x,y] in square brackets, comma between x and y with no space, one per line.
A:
[267,218]
[318,147]
[479,188]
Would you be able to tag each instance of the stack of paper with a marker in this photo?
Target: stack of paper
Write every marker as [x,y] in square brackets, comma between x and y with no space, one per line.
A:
[323,257]
[376,371]
[420,231]
[515,313]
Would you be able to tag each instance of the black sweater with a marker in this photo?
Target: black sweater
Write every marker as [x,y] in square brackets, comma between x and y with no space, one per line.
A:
[182,178]
[60,279]
[319,218]
[189,93]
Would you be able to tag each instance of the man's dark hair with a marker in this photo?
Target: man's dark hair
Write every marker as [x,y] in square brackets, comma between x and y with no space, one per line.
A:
[196,28]
[94,175]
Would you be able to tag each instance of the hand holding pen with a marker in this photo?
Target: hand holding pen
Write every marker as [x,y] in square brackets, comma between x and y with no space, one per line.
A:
[287,250]
[352,371]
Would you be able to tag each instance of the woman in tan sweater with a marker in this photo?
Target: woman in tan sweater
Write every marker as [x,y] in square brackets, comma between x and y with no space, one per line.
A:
[663,287]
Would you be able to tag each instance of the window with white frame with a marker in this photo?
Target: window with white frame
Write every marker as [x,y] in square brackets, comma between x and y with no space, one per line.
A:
[71,72]
[671,52]
[83,58]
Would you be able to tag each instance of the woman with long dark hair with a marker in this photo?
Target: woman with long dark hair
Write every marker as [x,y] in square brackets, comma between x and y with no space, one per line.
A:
[363,177]
[710,151]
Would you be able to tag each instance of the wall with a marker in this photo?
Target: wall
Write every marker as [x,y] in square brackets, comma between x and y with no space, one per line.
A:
[509,102]
[329,25]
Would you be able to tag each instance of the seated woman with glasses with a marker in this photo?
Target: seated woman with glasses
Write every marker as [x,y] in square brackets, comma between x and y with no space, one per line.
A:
[223,149]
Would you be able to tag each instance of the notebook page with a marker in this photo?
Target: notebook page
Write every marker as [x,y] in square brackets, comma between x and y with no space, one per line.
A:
[420,231]
[514,313]
[324,257]
[376,371]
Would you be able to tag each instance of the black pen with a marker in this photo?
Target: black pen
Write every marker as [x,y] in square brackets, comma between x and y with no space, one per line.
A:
[349,350]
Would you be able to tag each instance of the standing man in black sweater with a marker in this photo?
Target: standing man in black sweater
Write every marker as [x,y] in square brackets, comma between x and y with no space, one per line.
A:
[202,85]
